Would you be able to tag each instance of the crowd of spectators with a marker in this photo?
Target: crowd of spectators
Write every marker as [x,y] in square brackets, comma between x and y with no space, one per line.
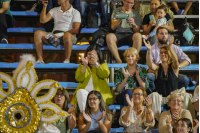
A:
[165,85]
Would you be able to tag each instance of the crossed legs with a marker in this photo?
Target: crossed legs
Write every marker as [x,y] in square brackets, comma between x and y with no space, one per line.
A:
[187,7]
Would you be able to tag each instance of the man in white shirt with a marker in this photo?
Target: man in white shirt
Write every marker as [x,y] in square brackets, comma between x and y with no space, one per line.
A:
[66,25]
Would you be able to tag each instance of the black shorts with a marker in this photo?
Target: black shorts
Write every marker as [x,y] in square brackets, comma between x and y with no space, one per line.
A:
[124,39]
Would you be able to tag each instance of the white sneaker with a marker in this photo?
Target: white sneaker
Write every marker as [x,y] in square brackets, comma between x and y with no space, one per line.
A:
[39,62]
[4,40]
[66,61]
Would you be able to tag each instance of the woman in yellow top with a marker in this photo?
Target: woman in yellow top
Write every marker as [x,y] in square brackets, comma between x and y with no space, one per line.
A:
[92,74]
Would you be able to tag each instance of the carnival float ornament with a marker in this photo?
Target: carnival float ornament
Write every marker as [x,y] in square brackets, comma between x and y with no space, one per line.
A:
[21,107]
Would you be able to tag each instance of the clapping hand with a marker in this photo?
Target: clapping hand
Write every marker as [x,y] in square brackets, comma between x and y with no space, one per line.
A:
[147,44]
[197,124]
[101,116]
[125,73]
[176,116]
[87,117]
[130,102]
[137,72]
[168,120]
[84,60]
[148,102]
[171,40]
[72,108]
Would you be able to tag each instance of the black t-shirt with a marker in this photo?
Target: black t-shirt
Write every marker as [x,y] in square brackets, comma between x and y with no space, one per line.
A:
[147,19]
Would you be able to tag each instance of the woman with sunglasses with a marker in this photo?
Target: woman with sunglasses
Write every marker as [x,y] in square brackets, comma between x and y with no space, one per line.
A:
[166,74]
[168,122]
[167,71]
[136,117]
[92,74]
[64,125]
[97,117]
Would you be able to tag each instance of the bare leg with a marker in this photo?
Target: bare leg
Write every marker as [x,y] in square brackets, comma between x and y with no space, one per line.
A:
[175,5]
[137,41]
[38,43]
[187,6]
[112,46]
[67,39]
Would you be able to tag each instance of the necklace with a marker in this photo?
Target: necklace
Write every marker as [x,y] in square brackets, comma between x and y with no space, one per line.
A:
[95,117]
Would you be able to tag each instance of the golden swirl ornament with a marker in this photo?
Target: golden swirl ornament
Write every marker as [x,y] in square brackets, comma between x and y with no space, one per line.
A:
[21,109]
[21,112]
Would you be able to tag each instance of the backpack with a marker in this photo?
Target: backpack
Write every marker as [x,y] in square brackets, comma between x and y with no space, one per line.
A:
[91,18]
[99,36]
[185,34]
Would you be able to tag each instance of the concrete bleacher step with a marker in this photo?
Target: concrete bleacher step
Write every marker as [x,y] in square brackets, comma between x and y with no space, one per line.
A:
[32,13]
[65,67]
[27,47]
[83,30]
[119,130]
[72,85]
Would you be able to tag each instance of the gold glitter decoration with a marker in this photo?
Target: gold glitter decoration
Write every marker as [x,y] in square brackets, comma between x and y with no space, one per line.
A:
[64,114]
[20,111]
[22,96]
[55,84]
[9,86]
[29,78]
[28,67]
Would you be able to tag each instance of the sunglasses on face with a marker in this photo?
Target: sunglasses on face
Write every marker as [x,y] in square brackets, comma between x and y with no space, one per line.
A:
[94,99]
[139,94]
[61,95]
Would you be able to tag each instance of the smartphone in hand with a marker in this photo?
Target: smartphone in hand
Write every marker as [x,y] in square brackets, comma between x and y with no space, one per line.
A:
[151,17]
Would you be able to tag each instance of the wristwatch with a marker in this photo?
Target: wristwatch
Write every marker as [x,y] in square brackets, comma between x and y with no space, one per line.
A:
[179,66]
[96,63]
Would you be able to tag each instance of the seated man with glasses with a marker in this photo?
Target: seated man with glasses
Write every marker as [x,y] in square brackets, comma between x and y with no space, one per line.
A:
[127,30]
[166,71]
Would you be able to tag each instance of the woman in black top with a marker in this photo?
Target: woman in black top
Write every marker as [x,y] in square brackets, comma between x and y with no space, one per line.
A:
[167,71]
[148,25]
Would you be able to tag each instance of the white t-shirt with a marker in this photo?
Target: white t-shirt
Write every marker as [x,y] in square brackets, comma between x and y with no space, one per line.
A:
[63,21]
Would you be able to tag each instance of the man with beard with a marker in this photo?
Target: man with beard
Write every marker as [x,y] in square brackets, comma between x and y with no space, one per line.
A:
[184,60]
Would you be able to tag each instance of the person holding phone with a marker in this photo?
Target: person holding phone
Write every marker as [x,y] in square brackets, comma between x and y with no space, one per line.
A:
[161,12]
[67,22]
[149,25]
[130,77]
[127,32]
[48,26]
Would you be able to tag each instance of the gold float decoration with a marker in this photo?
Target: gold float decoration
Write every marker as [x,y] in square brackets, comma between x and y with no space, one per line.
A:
[21,109]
